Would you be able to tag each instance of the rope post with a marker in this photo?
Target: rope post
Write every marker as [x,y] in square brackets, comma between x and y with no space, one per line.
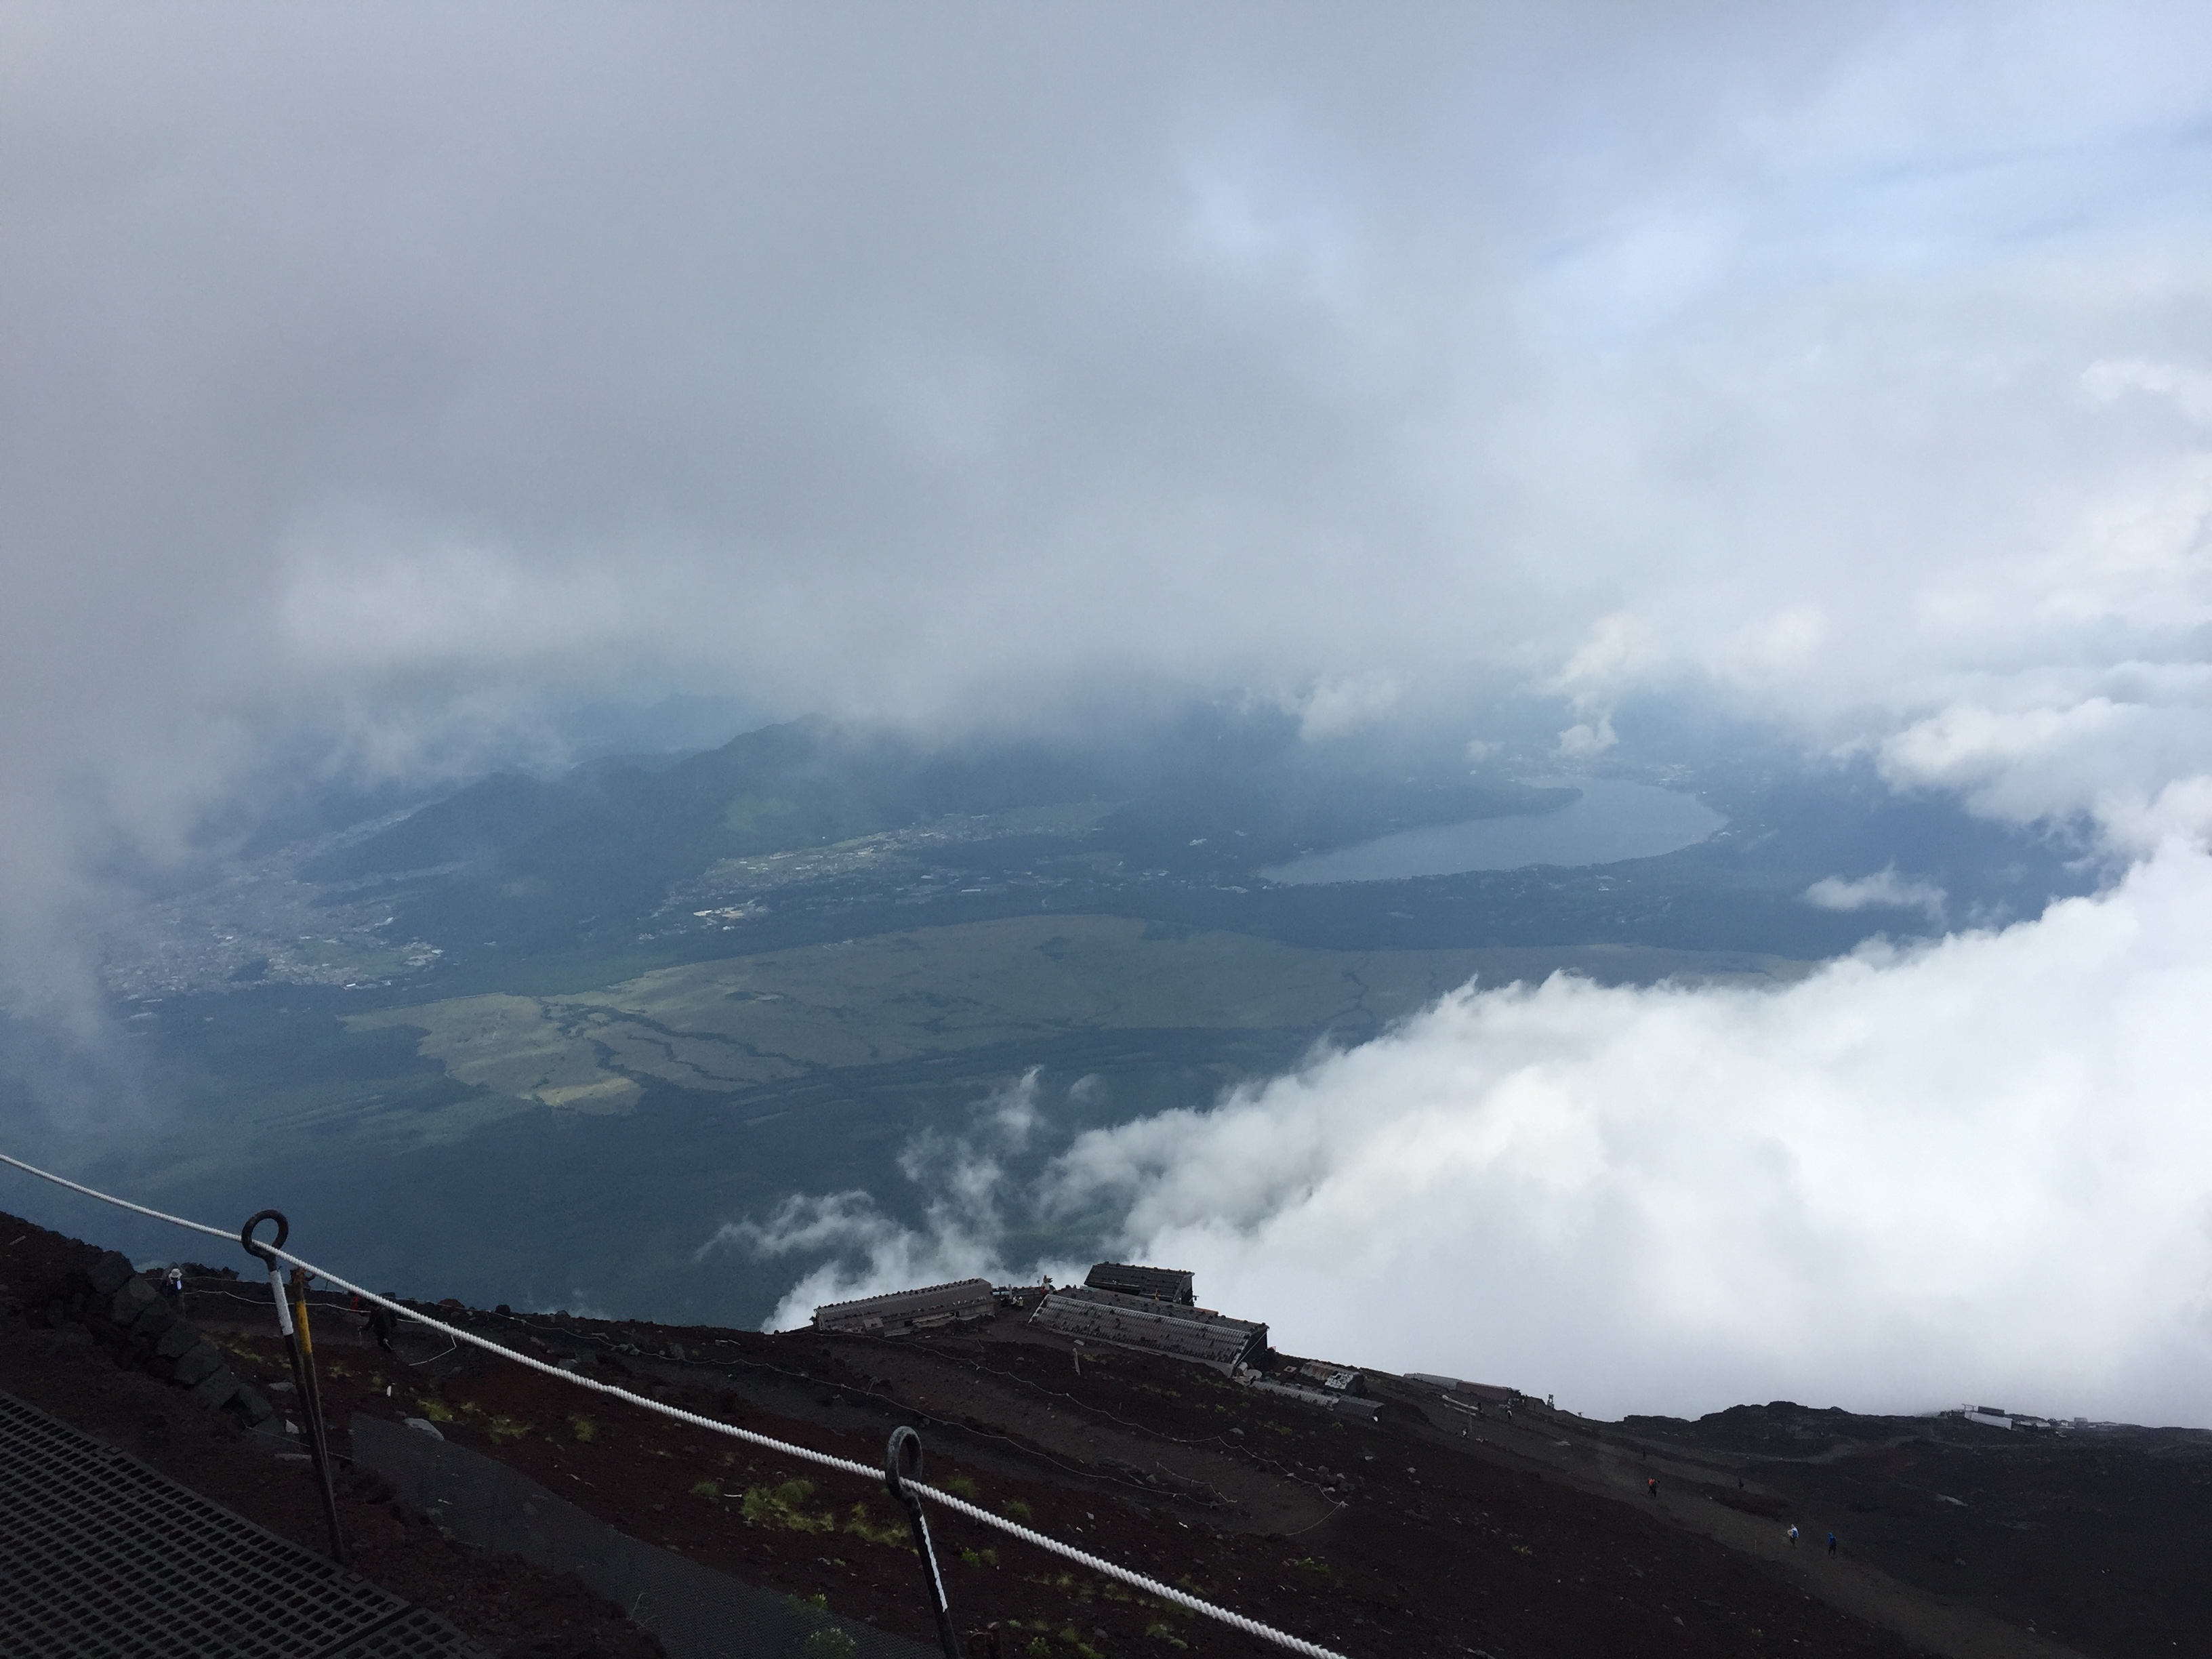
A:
[319,1425]
[303,1376]
[902,1463]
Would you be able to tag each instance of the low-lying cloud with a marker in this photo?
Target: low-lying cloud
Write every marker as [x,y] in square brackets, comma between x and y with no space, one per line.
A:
[1980,1168]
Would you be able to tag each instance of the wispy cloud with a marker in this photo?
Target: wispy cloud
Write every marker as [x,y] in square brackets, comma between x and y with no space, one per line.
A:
[861,1250]
[1885,890]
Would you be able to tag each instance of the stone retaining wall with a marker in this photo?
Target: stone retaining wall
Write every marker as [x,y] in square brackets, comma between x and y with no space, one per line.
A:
[140,1329]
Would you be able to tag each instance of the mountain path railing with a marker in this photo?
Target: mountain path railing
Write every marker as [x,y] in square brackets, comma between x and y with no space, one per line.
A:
[945,1500]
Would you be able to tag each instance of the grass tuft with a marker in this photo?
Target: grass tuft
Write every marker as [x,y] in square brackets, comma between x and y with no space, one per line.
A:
[783,1507]
[862,1526]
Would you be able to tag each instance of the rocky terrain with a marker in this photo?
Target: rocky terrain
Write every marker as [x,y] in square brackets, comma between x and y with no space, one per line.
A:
[1430,1531]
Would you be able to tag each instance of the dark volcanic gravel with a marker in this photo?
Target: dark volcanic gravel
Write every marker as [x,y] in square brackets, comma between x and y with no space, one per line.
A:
[1423,1534]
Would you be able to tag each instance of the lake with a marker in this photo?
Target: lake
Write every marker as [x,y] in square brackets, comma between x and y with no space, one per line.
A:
[1610,820]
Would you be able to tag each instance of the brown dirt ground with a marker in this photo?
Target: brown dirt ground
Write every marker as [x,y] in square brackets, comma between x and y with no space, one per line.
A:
[1426,1532]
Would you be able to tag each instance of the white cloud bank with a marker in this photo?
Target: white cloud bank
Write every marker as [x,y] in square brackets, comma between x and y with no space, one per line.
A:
[1981,1168]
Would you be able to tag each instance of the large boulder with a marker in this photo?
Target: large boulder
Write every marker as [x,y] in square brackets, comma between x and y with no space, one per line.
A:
[215,1388]
[110,1273]
[248,1403]
[179,1340]
[195,1365]
[129,1300]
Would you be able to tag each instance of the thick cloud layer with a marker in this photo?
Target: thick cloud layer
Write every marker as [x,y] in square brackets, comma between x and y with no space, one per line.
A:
[371,368]
[1983,1169]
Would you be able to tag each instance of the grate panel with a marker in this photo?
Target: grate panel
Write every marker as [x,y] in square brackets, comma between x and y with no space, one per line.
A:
[417,1633]
[102,1556]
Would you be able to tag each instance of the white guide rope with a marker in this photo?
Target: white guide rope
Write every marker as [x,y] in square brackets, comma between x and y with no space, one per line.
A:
[825,1460]
[120,1203]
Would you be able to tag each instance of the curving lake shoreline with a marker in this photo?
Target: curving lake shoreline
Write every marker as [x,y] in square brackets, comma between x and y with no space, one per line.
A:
[1609,821]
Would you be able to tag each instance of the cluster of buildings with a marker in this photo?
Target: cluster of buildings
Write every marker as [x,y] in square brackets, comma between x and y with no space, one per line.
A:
[1996,1417]
[1119,1304]
[1178,1330]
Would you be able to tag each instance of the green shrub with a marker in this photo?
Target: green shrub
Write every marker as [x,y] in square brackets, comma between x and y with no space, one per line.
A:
[865,1528]
[780,1506]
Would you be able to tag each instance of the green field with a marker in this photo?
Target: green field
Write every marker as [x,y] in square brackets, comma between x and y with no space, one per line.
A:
[740,1023]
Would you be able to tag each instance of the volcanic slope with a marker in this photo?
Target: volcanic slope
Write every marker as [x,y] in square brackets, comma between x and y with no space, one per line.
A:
[1427,1532]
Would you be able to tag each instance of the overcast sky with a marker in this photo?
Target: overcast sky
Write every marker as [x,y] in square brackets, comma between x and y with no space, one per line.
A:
[383,371]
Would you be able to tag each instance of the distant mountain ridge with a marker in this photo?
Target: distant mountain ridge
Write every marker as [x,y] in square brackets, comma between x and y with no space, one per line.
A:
[1219,795]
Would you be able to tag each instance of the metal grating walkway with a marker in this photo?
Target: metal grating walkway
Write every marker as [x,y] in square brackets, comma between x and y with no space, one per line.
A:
[103,1558]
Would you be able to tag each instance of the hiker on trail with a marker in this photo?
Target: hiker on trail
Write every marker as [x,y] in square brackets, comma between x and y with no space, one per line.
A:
[1832,1543]
[1792,1538]
[1652,1486]
[172,1286]
[379,1322]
